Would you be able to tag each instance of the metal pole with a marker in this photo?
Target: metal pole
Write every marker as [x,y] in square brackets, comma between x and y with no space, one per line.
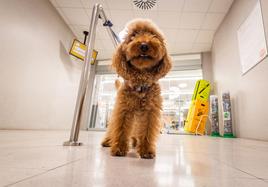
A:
[111,34]
[89,97]
[80,102]
[73,141]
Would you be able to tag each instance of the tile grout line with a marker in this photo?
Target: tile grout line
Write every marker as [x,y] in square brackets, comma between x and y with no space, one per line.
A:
[250,174]
[247,173]
[240,170]
[224,163]
[39,174]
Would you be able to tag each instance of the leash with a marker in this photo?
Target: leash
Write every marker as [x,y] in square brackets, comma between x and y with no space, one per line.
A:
[108,23]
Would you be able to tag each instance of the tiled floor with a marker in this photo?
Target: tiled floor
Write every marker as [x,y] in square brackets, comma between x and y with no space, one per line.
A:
[37,158]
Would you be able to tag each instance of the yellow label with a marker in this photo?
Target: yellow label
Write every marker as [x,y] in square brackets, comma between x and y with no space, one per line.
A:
[78,50]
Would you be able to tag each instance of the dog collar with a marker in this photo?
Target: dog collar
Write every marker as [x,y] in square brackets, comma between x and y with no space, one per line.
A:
[142,88]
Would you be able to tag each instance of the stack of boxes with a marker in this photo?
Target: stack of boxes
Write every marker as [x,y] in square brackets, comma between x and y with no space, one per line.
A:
[198,111]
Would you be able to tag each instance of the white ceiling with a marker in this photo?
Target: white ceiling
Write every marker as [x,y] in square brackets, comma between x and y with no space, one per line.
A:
[189,25]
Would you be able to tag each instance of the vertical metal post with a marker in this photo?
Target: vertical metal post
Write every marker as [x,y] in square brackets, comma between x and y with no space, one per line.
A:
[73,141]
[81,102]
[89,96]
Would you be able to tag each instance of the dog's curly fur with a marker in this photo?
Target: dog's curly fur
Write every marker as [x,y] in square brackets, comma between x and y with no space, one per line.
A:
[136,115]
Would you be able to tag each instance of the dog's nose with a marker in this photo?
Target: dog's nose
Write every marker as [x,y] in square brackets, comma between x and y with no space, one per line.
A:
[144,47]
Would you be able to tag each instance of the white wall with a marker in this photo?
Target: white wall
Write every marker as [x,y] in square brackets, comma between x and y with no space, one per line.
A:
[38,80]
[207,75]
[249,92]
[207,67]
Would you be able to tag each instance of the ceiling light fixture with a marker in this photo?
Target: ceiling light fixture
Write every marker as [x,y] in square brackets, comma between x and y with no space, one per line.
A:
[144,4]
[182,85]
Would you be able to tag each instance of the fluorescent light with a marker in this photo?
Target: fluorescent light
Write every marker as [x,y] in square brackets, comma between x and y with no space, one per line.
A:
[174,89]
[183,85]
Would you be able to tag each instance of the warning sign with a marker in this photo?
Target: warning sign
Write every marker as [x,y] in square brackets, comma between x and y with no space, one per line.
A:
[78,50]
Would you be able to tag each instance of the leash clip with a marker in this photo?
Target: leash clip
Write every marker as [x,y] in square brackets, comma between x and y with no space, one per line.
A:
[108,23]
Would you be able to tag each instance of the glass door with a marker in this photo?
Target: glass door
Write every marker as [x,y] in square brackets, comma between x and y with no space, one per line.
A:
[177,89]
[103,101]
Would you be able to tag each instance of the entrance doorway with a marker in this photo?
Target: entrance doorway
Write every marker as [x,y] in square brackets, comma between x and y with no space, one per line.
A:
[177,89]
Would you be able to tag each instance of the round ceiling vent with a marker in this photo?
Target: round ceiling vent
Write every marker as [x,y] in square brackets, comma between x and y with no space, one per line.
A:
[144,4]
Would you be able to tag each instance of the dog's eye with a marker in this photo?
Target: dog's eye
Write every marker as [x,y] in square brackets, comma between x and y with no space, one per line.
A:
[133,35]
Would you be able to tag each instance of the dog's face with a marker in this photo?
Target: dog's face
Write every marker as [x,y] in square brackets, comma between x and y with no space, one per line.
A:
[143,51]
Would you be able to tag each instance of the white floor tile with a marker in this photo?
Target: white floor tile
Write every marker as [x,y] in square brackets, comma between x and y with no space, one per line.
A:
[121,178]
[41,157]
[181,161]
[11,175]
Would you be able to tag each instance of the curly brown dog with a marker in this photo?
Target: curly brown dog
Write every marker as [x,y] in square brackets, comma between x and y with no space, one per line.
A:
[141,60]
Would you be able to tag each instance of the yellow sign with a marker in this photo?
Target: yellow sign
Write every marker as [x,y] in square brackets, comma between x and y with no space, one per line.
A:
[202,90]
[198,111]
[78,50]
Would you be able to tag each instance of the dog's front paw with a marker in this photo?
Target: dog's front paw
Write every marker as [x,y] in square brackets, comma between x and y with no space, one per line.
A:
[119,151]
[146,151]
[106,142]
[148,155]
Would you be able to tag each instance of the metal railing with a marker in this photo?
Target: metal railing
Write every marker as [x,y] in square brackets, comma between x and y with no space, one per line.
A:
[81,102]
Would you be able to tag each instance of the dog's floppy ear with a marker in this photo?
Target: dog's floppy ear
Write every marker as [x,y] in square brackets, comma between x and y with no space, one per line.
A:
[163,67]
[119,62]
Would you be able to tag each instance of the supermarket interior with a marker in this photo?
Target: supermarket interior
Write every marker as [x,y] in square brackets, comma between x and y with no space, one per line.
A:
[134,93]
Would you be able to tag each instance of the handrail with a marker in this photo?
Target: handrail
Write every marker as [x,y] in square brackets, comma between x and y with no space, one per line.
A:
[97,13]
